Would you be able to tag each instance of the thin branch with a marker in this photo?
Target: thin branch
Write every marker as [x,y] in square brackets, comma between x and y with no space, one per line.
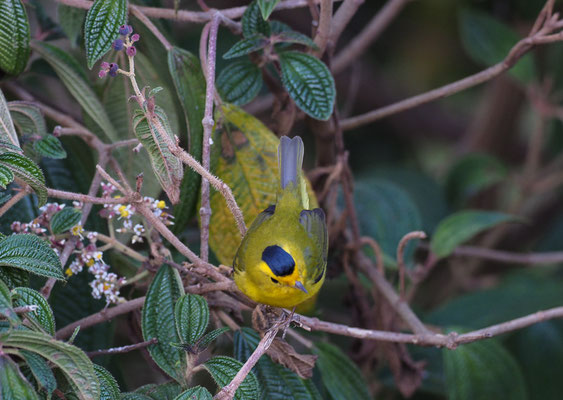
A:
[325,24]
[401,259]
[122,349]
[84,198]
[342,17]
[14,200]
[135,10]
[117,245]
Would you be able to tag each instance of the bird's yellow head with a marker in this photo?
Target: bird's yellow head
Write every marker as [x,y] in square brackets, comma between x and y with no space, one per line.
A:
[280,266]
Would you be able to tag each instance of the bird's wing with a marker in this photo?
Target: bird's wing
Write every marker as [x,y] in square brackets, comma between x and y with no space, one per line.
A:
[314,222]
[259,220]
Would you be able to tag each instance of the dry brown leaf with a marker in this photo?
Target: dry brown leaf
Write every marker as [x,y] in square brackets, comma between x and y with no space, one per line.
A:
[283,353]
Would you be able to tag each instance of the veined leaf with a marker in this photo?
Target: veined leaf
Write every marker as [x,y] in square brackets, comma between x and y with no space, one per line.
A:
[50,146]
[223,369]
[6,308]
[101,27]
[341,377]
[309,83]
[6,176]
[65,219]
[252,21]
[167,167]
[239,82]
[462,226]
[192,317]
[71,20]
[134,396]
[158,321]
[7,130]
[189,82]
[13,385]
[14,36]
[165,391]
[14,277]
[74,79]
[266,7]
[72,361]
[32,254]
[26,170]
[247,46]
[195,393]
[295,37]
[108,386]
[27,118]
[43,315]
[210,337]
[41,371]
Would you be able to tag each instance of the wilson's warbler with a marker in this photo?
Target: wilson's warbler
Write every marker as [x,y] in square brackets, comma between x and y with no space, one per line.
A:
[281,261]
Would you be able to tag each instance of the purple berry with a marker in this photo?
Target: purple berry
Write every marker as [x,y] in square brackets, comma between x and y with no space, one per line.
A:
[135,37]
[105,65]
[113,70]
[131,51]
[118,44]
[124,30]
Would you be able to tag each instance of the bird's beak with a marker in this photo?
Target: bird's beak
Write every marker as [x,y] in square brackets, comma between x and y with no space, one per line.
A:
[299,285]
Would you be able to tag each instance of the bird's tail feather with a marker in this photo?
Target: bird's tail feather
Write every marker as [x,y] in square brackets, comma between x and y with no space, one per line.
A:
[290,160]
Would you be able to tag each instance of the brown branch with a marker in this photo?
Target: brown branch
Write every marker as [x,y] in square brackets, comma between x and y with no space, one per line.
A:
[122,349]
[401,259]
[135,10]
[325,24]
[14,200]
[61,194]
[342,17]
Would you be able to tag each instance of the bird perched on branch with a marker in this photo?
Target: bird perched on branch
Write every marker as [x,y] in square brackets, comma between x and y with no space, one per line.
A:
[281,261]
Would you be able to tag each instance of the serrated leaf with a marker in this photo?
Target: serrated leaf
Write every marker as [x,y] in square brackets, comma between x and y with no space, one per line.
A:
[50,146]
[223,370]
[6,176]
[74,79]
[482,370]
[14,36]
[158,322]
[13,385]
[26,170]
[41,371]
[7,130]
[65,219]
[247,46]
[192,317]
[101,27]
[32,254]
[72,361]
[28,118]
[210,337]
[195,393]
[134,396]
[14,277]
[488,41]
[6,308]
[266,7]
[71,20]
[189,82]
[165,391]
[239,82]
[43,315]
[309,83]
[462,226]
[342,378]
[295,37]
[109,388]
[252,21]
[167,167]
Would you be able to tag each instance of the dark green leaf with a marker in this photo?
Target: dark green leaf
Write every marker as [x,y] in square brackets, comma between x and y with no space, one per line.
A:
[165,391]
[14,36]
[134,396]
[101,27]
[32,254]
[266,7]
[482,370]
[158,321]
[239,82]
[65,219]
[6,176]
[13,385]
[462,226]
[27,118]
[279,27]
[342,377]
[247,46]
[195,393]
[7,130]
[488,41]
[6,308]
[108,386]
[41,371]
[295,37]
[192,317]
[43,315]
[252,21]
[26,170]
[71,20]
[309,83]
[210,337]
[50,146]
[223,369]
[14,277]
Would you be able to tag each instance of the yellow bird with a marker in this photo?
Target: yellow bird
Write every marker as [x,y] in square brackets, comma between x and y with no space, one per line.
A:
[281,261]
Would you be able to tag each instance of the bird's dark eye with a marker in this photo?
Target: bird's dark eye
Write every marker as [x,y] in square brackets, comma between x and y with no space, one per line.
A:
[274,280]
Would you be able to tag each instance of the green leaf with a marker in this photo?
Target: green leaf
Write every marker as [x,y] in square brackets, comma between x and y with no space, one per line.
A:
[65,219]
[50,146]
[482,370]
[165,391]
[6,308]
[195,393]
[101,27]
[23,168]
[13,385]
[7,130]
[342,377]
[239,82]
[189,82]
[192,317]
[14,277]
[134,396]
[210,337]
[158,322]
[28,118]
[223,369]
[167,167]
[41,371]
[462,226]
[71,20]
[43,315]
[309,83]
[252,21]
[109,388]
[266,7]
[14,36]
[488,41]
[295,37]
[6,176]
[247,46]
[32,254]
[74,79]
[72,361]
